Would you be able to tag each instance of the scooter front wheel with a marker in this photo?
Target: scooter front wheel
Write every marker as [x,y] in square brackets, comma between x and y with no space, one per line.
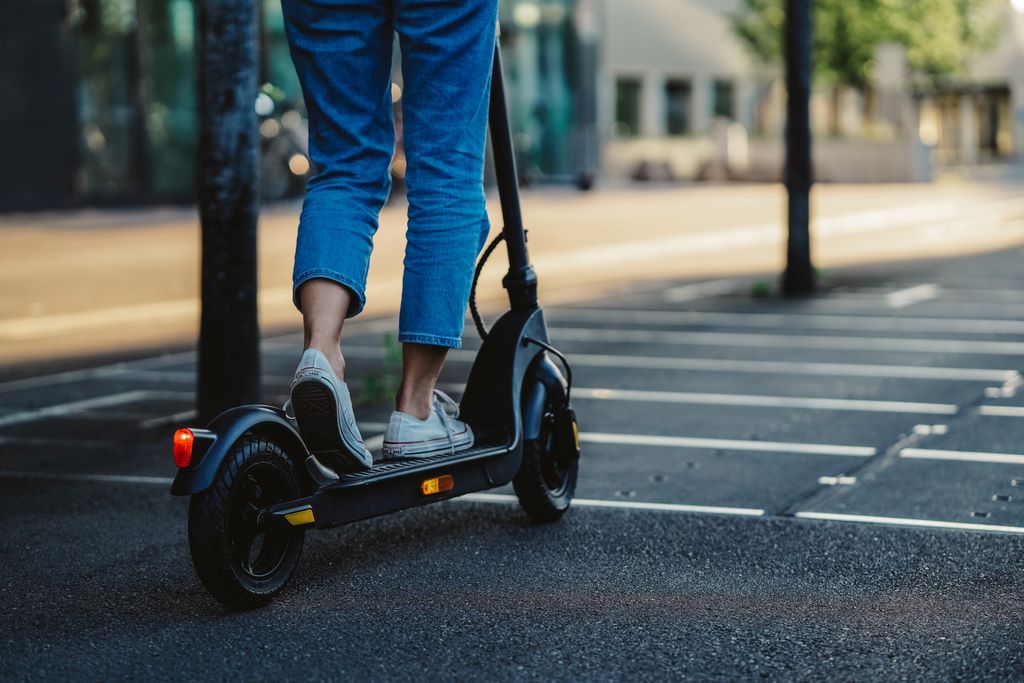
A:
[546,481]
[242,564]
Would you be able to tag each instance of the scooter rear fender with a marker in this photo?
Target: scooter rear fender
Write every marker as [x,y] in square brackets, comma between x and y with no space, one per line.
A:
[229,427]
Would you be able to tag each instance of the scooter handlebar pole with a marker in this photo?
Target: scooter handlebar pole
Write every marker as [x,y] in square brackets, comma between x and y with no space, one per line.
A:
[521,281]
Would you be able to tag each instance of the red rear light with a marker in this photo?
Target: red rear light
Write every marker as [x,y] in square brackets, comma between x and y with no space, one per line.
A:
[183,439]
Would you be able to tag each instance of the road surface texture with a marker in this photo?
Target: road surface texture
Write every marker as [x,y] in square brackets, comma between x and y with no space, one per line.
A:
[825,489]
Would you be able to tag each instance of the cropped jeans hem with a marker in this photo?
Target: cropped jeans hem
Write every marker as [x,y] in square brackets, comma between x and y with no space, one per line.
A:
[358,302]
[433,340]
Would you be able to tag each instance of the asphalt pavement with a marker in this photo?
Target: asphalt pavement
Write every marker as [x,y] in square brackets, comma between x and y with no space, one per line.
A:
[820,489]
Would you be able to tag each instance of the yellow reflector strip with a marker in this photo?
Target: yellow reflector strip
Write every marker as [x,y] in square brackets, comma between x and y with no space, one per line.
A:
[576,434]
[437,485]
[300,517]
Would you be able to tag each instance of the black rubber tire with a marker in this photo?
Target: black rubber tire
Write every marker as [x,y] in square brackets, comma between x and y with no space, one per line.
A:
[543,494]
[213,516]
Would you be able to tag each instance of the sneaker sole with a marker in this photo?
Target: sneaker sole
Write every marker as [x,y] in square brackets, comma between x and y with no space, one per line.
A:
[316,411]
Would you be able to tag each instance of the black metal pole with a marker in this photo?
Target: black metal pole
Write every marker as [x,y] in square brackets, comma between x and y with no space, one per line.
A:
[229,361]
[521,281]
[798,278]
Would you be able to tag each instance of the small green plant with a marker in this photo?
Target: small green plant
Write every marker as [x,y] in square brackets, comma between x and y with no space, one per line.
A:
[761,289]
[381,384]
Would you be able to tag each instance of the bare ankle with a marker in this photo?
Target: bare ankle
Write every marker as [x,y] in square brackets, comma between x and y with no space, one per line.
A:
[414,402]
[334,356]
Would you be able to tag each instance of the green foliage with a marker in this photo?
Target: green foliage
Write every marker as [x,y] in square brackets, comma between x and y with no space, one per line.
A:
[940,35]
[381,385]
[762,289]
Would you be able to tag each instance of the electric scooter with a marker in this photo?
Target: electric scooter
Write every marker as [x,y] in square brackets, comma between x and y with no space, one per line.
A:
[256,488]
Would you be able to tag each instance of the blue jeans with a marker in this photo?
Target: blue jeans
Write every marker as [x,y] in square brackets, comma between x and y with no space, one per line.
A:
[342,54]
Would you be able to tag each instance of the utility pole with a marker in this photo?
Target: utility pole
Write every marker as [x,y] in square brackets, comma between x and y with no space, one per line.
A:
[798,278]
[229,361]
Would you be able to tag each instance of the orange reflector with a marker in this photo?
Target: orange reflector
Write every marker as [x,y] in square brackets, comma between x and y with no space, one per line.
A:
[437,485]
[183,439]
[300,517]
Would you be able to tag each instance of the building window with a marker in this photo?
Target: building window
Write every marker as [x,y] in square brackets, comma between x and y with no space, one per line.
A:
[627,106]
[723,99]
[677,107]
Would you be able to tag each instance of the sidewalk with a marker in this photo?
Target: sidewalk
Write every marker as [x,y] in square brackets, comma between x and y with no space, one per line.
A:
[100,282]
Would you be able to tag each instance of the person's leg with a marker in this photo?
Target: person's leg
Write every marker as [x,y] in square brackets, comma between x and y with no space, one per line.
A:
[421,365]
[447,54]
[342,54]
[324,303]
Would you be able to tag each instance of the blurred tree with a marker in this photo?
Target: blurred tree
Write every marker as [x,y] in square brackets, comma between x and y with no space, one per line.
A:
[939,35]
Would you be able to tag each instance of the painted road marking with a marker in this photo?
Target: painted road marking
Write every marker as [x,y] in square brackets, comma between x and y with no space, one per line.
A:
[788,320]
[748,366]
[174,419]
[622,505]
[765,401]
[956,308]
[904,521]
[71,407]
[162,361]
[1002,411]
[743,339]
[111,478]
[701,290]
[962,456]
[727,444]
[577,502]
[911,295]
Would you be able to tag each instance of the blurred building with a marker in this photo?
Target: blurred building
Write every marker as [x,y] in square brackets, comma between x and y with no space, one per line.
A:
[104,102]
[978,120]
[106,111]
[106,108]
[674,81]
[680,98]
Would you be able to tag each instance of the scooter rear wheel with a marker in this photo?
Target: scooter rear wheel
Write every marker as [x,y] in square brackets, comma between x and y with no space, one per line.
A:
[241,564]
[546,481]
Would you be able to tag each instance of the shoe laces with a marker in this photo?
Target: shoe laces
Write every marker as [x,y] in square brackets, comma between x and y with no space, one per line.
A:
[447,409]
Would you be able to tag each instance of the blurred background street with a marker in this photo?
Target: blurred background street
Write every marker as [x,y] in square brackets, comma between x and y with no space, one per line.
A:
[823,483]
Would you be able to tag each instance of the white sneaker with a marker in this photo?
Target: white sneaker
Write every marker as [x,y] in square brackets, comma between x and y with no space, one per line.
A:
[409,437]
[323,409]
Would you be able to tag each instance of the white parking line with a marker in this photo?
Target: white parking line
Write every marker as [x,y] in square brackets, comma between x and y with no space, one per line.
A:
[911,295]
[578,502]
[62,409]
[727,444]
[955,308]
[904,521]
[110,478]
[767,367]
[962,456]
[765,401]
[165,360]
[796,368]
[743,339]
[701,290]
[1002,411]
[876,323]
[622,505]
[176,418]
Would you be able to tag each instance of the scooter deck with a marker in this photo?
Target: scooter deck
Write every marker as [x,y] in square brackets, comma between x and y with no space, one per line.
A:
[392,467]
[394,485]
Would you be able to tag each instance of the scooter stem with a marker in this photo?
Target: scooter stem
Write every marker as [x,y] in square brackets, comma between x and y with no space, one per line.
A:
[521,280]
